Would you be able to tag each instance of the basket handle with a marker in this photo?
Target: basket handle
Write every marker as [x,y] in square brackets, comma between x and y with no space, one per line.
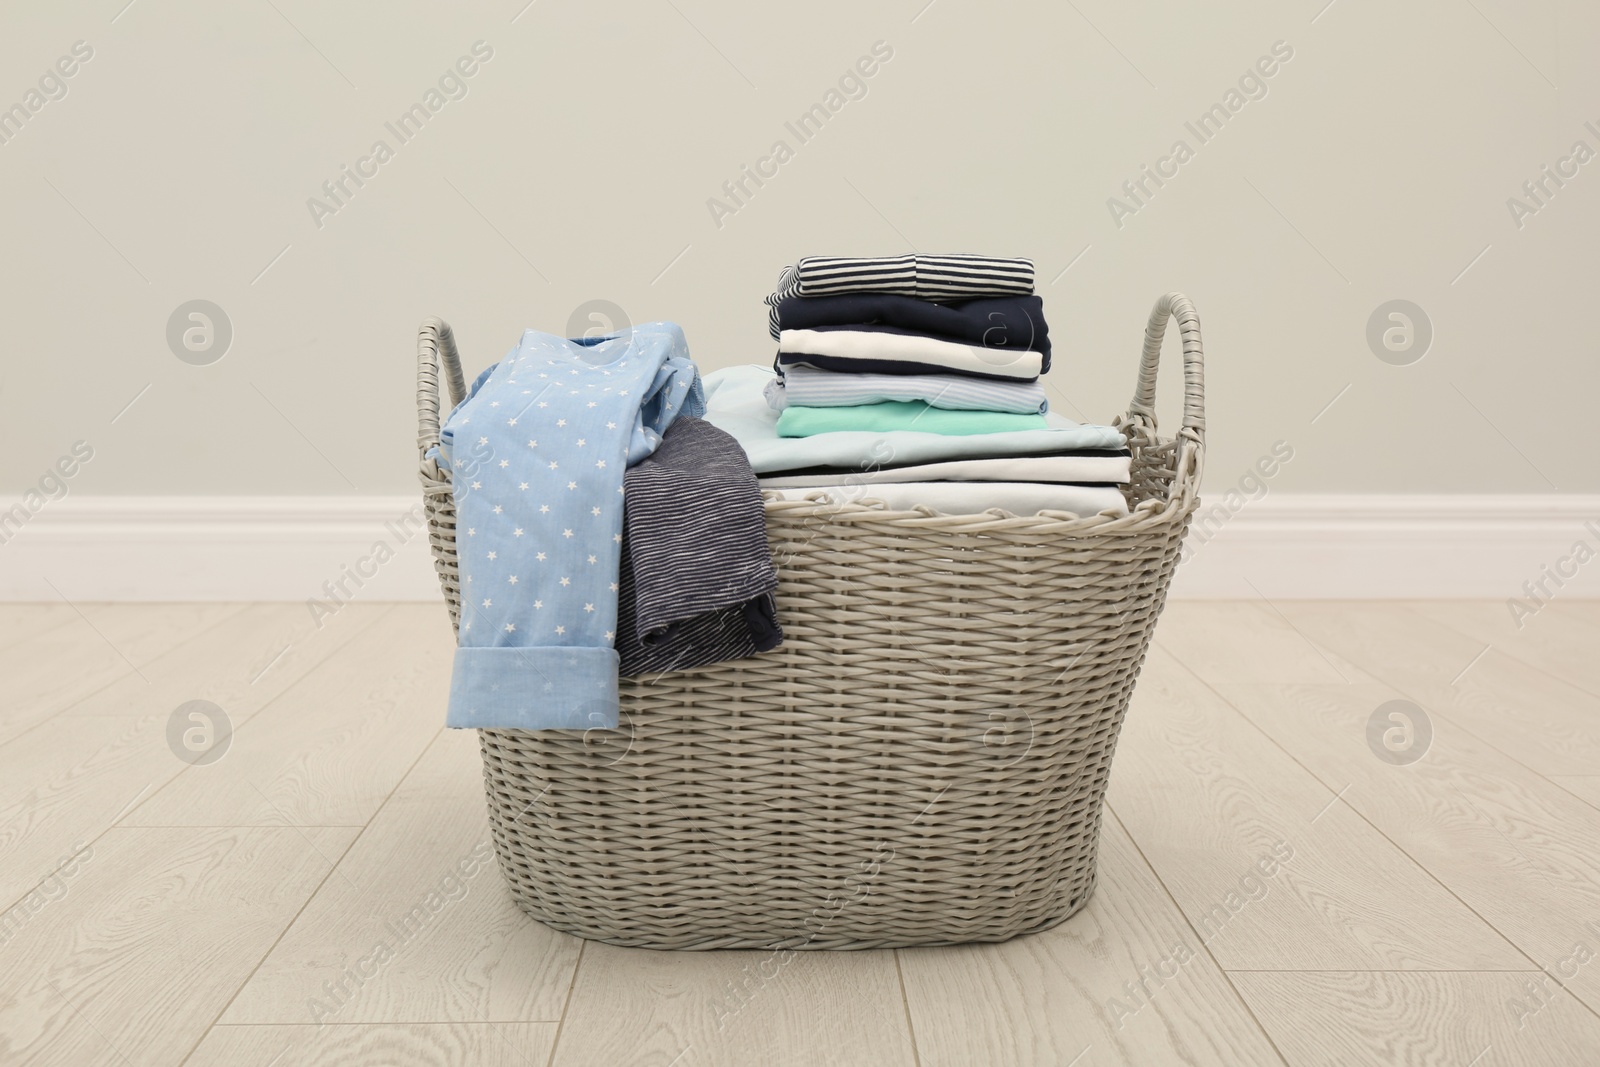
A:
[1174,306]
[436,350]
[1140,421]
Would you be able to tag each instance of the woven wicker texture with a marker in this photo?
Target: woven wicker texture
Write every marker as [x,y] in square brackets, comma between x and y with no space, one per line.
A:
[922,762]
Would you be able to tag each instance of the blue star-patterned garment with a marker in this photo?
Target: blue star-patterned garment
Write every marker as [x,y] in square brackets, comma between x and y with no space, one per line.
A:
[537,452]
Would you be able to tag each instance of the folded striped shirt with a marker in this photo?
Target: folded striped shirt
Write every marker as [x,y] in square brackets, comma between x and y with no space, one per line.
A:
[888,347]
[929,277]
[806,385]
[696,575]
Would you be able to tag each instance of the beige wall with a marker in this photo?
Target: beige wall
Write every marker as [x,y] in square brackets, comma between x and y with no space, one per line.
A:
[579,163]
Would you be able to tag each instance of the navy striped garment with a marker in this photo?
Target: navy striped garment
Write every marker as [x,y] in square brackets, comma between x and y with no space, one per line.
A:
[696,576]
[927,277]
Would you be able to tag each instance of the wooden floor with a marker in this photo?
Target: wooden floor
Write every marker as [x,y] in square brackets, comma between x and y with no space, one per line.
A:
[1441,911]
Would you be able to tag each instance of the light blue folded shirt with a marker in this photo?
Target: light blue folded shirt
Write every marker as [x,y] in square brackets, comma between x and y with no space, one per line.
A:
[537,452]
[736,402]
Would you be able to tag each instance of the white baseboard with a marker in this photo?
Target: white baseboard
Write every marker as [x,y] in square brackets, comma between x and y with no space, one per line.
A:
[289,548]
[1375,547]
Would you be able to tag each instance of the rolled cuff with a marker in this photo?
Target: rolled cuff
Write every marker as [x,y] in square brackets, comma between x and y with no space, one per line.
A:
[548,688]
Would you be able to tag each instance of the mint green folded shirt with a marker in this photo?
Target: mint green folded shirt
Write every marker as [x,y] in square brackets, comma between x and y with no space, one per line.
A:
[918,415]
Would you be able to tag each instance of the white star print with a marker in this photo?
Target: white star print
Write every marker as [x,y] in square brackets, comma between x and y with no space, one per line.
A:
[611,426]
[504,464]
[591,559]
[617,538]
[544,509]
[572,485]
[472,531]
[487,603]
[600,463]
[538,604]
[517,532]
[511,627]
[609,635]
[543,404]
[552,464]
[566,533]
[581,442]
[492,556]
[477,485]
[522,485]
[561,422]
[512,580]
[532,443]
[588,607]
[483,440]
[561,629]
[539,557]
[613,587]
[497,509]
[594,511]
[511,422]
[566,581]
[591,403]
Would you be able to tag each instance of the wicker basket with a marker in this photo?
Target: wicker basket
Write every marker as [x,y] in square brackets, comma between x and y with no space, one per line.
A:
[923,760]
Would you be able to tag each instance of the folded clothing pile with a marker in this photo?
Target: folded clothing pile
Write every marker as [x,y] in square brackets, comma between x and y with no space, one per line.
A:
[953,345]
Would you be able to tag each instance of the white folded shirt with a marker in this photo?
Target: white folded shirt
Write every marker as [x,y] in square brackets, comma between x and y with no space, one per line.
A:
[1046,469]
[912,348]
[969,498]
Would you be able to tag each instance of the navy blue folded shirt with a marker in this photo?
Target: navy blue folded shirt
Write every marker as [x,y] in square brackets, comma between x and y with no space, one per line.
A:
[1015,322]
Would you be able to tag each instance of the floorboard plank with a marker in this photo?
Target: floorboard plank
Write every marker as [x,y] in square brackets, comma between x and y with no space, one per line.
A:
[1125,981]
[1512,846]
[1530,715]
[239,664]
[1208,636]
[58,668]
[1333,1019]
[729,1009]
[1585,787]
[330,748]
[1208,797]
[20,622]
[421,881]
[377,1045]
[1556,639]
[63,784]
[153,930]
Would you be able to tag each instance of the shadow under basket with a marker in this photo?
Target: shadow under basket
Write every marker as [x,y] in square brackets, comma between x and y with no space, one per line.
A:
[922,762]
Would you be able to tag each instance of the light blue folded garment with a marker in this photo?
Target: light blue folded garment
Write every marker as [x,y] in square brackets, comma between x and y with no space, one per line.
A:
[809,387]
[736,402]
[536,454]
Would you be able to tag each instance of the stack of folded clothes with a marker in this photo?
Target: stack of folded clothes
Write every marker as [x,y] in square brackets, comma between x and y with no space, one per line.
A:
[920,346]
